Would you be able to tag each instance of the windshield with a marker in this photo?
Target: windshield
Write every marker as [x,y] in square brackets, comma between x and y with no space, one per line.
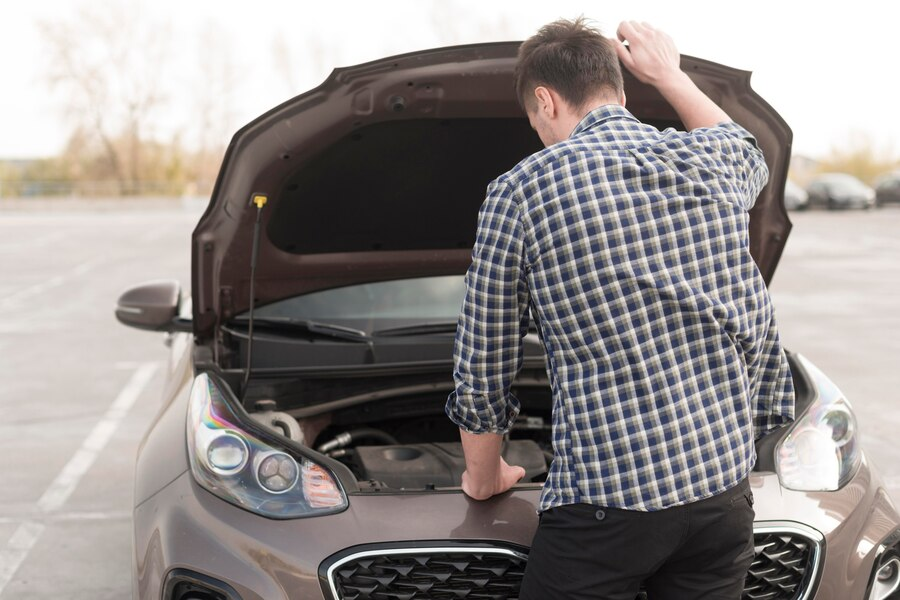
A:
[372,306]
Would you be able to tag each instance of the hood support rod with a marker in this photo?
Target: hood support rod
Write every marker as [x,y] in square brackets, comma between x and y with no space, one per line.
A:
[260,201]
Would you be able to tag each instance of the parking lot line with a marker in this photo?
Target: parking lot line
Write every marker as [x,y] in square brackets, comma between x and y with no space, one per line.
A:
[62,517]
[17,549]
[28,532]
[19,296]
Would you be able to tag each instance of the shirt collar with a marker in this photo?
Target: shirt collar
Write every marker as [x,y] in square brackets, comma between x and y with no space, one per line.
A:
[599,115]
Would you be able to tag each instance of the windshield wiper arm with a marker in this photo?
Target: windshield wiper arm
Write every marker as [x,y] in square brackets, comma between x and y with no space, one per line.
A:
[326,329]
[427,329]
[418,329]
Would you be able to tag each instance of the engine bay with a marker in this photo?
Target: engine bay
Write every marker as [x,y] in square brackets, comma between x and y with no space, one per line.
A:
[403,443]
[430,466]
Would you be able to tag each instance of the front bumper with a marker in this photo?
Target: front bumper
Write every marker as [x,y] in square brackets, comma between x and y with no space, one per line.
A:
[185,529]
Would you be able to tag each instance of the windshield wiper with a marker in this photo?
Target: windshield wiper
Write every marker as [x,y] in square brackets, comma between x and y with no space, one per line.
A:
[418,329]
[428,329]
[304,325]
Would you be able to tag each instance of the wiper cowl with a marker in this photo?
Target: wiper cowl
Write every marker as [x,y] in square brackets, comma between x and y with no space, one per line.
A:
[325,329]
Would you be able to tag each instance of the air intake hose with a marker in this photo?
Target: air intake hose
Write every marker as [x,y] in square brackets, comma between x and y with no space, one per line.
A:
[348,437]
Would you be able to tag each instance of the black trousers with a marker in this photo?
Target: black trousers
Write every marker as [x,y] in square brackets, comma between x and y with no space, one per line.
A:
[694,551]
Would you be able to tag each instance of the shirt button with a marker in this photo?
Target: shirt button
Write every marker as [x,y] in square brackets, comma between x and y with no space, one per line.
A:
[600,515]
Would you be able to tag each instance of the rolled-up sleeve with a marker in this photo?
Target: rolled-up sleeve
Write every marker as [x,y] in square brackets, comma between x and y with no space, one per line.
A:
[494,318]
[772,386]
[739,153]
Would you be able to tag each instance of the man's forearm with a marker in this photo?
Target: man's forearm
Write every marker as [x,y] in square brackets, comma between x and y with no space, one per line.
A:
[482,462]
[487,474]
[694,108]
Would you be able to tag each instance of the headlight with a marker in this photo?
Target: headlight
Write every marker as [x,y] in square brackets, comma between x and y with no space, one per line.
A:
[245,470]
[820,452]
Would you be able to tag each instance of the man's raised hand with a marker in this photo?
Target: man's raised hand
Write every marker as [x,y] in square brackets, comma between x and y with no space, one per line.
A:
[651,55]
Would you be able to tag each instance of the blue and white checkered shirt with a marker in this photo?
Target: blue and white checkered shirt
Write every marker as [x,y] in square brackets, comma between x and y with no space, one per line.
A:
[631,247]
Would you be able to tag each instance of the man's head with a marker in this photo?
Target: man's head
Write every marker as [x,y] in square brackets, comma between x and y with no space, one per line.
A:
[564,71]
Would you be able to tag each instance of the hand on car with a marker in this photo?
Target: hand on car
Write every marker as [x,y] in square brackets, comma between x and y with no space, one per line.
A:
[504,478]
[651,55]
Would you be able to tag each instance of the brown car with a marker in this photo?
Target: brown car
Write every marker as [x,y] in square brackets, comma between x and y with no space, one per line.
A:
[302,451]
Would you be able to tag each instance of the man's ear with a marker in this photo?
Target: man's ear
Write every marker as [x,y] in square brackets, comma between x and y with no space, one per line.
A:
[545,102]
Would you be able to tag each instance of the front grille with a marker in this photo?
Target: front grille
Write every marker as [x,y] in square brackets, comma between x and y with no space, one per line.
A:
[432,573]
[782,569]
[785,568]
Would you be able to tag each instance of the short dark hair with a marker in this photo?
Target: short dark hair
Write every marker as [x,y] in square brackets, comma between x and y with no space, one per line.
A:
[572,58]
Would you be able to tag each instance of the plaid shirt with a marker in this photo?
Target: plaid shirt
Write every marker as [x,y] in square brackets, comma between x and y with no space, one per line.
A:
[631,248]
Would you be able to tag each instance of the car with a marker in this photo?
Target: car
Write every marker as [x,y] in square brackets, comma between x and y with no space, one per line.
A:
[302,450]
[795,197]
[840,190]
[887,190]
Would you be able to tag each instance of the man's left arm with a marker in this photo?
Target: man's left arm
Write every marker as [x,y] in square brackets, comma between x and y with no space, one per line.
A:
[773,391]
[488,349]
[741,155]
[653,58]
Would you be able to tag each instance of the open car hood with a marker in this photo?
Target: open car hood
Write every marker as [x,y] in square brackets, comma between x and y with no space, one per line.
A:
[379,173]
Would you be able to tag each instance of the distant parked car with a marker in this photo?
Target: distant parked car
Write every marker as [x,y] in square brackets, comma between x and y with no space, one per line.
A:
[840,190]
[795,197]
[887,190]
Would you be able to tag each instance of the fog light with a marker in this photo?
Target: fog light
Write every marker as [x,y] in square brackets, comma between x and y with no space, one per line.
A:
[277,472]
[887,580]
[227,454]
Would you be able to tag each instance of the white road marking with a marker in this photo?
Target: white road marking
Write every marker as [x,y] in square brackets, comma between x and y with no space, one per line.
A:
[65,483]
[31,325]
[48,284]
[155,234]
[31,244]
[28,533]
[17,549]
[35,517]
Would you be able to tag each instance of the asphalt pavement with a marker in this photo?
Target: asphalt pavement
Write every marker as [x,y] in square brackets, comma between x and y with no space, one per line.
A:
[79,389]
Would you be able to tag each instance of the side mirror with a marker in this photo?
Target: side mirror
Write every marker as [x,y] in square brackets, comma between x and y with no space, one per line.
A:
[153,306]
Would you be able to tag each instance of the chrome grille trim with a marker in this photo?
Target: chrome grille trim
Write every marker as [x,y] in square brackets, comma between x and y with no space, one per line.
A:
[815,539]
[789,529]
[419,550]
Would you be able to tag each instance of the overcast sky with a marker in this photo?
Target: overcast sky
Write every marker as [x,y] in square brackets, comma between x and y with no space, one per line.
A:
[830,68]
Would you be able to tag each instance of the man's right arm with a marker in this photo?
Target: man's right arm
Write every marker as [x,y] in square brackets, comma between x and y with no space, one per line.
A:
[652,57]
[488,349]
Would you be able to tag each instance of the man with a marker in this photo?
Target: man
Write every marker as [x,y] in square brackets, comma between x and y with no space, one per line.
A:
[630,248]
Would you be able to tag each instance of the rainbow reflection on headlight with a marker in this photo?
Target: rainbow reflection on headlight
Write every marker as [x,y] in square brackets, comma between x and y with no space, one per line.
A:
[243,469]
[820,452]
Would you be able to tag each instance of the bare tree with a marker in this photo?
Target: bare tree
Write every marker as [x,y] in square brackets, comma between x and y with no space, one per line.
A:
[303,68]
[454,22]
[214,86]
[284,61]
[108,62]
[860,155]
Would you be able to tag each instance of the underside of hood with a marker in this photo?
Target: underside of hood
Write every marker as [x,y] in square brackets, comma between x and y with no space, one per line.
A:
[379,173]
